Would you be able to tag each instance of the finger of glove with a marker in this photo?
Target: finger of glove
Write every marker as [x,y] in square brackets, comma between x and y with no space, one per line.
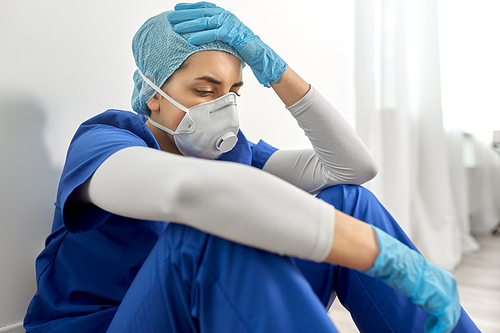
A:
[202,4]
[191,14]
[434,325]
[438,289]
[446,320]
[203,37]
[199,24]
[430,324]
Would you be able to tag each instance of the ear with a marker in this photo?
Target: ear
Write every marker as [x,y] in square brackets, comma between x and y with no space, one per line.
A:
[154,103]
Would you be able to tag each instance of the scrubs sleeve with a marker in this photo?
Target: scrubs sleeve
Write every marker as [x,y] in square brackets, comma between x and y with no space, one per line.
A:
[91,146]
[261,153]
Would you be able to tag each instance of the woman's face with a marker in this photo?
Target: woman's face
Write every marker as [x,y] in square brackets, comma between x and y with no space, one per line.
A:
[207,75]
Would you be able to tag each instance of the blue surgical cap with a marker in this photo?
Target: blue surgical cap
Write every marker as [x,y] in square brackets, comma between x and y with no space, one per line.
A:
[158,52]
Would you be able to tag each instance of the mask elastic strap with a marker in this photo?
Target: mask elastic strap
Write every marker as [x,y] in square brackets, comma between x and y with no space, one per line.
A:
[163,128]
[161,92]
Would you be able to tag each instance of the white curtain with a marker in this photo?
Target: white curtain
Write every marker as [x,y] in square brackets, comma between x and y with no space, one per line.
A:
[399,117]
[469,79]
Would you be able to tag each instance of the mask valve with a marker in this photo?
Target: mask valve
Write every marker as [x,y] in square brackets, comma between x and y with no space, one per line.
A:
[226,142]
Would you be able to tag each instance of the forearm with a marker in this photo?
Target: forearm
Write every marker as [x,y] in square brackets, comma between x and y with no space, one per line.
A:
[355,243]
[291,87]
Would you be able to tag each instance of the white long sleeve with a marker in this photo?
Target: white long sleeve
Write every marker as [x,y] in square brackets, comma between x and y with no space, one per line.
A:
[338,155]
[230,200]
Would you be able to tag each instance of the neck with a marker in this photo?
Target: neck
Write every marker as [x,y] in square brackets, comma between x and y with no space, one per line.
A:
[165,140]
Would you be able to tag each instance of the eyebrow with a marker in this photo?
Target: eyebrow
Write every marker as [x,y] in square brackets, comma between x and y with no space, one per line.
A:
[211,79]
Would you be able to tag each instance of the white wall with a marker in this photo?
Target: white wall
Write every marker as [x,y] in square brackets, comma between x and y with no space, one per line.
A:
[62,62]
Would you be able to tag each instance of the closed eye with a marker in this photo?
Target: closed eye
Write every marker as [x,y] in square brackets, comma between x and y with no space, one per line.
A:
[203,93]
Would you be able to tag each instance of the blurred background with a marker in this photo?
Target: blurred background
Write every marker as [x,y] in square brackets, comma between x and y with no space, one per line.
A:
[418,81]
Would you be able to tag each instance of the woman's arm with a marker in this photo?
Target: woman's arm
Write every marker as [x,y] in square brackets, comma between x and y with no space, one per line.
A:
[230,200]
[209,23]
[338,156]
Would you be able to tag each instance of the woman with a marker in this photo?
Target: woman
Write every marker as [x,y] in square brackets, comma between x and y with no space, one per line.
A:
[112,262]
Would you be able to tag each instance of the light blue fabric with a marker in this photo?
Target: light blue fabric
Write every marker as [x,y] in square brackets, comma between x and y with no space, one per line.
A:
[158,51]
[429,286]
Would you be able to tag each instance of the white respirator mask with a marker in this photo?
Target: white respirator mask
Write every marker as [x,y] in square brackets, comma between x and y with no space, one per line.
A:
[208,129]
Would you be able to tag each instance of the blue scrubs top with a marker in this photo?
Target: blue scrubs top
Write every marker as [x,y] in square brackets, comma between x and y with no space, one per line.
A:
[91,255]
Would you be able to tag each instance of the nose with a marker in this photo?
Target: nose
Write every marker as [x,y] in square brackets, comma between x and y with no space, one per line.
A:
[222,107]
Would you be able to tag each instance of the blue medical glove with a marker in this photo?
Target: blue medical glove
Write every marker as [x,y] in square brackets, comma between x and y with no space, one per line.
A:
[210,23]
[430,287]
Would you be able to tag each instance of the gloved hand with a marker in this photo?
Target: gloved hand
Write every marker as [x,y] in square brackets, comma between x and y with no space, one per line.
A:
[430,287]
[210,23]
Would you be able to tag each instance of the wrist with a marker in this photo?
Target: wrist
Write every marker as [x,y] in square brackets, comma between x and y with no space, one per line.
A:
[354,244]
[291,88]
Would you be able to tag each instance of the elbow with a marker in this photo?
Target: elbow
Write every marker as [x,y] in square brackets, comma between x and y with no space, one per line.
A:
[356,172]
[367,172]
[371,172]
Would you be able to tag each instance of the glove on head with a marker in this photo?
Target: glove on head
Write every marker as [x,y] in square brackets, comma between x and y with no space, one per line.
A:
[158,51]
[209,23]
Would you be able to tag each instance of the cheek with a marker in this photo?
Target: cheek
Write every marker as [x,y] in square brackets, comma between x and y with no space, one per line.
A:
[170,115]
[176,117]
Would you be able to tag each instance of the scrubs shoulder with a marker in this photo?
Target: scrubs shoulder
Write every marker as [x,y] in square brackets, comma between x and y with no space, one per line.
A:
[91,255]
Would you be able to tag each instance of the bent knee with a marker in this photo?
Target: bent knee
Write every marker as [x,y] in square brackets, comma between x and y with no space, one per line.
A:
[346,197]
